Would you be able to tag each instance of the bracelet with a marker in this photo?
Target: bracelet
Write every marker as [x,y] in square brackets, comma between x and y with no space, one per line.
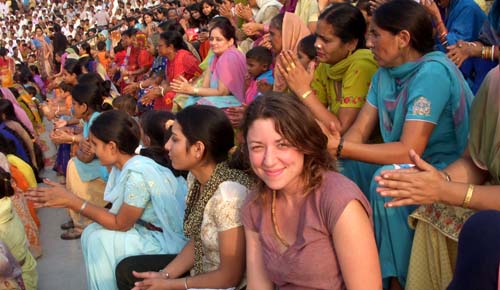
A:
[84,205]
[446,176]
[73,139]
[196,91]
[186,283]
[165,273]
[162,90]
[492,54]
[339,148]
[140,86]
[468,196]
[306,94]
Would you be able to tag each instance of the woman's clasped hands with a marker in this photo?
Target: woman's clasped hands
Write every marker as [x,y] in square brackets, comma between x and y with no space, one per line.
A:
[419,185]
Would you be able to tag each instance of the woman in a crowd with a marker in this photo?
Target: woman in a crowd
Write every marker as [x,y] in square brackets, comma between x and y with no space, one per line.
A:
[286,30]
[209,9]
[85,177]
[9,119]
[42,44]
[337,89]
[148,202]
[7,68]
[180,63]
[301,215]
[21,115]
[421,101]
[10,270]
[201,139]
[149,24]
[449,197]
[13,235]
[226,74]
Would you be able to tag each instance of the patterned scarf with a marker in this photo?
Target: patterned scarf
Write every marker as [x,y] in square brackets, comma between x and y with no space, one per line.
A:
[197,200]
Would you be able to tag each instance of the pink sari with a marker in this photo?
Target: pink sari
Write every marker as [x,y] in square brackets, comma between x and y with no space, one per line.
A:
[230,68]
[20,113]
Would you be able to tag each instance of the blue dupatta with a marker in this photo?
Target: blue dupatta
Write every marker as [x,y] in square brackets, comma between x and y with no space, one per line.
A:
[391,86]
[167,192]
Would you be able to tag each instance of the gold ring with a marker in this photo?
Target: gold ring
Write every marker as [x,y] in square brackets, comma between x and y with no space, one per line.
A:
[293,65]
[288,68]
[460,45]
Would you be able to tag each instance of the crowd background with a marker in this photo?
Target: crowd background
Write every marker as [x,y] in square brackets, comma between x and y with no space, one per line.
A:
[198,144]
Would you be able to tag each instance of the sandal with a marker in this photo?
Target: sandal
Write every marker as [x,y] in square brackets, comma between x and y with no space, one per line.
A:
[71,234]
[68,225]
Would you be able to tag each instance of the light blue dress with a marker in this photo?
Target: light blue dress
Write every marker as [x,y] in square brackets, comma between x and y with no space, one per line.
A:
[432,90]
[145,184]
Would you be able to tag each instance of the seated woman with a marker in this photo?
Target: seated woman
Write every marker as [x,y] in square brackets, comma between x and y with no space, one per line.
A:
[201,139]
[224,82]
[85,177]
[421,101]
[13,235]
[286,31]
[300,219]
[449,197]
[337,90]
[148,203]
[180,63]
[10,271]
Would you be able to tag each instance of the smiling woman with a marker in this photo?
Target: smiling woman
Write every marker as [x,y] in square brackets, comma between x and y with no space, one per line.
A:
[312,207]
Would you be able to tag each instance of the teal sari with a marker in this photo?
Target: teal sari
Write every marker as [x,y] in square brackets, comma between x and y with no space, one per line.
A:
[433,90]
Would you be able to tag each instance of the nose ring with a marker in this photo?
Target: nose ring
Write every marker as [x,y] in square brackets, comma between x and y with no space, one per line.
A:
[318,46]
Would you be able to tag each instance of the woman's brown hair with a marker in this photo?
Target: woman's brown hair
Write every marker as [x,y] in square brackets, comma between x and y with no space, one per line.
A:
[297,125]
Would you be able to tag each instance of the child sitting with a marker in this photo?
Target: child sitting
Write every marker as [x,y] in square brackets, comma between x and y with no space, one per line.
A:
[259,60]
[126,103]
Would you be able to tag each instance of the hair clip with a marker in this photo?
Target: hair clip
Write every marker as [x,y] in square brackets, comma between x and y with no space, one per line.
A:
[169,124]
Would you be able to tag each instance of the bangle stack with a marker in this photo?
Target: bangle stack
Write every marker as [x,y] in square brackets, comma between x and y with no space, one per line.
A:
[488,53]
[468,196]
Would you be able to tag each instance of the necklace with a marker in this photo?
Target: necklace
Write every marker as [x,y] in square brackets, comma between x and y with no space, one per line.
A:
[275,223]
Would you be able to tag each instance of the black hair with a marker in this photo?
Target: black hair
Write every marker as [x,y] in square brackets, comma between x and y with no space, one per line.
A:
[6,188]
[364,5]
[31,90]
[90,95]
[86,47]
[173,38]
[101,45]
[34,69]
[306,45]
[277,21]
[210,126]
[129,32]
[65,87]
[3,52]
[126,103]
[103,87]
[225,26]
[118,127]
[261,54]
[153,125]
[73,67]
[214,11]
[398,15]
[347,22]
[172,26]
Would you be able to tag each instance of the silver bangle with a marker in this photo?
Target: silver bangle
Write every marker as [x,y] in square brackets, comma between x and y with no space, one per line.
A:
[140,86]
[186,283]
[165,273]
[84,205]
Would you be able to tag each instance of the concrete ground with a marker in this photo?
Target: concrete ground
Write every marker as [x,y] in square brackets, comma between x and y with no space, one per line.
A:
[61,266]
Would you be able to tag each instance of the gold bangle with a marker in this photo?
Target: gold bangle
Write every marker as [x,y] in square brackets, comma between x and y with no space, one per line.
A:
[72,139]
[196,91]
[468,196]
[306,94]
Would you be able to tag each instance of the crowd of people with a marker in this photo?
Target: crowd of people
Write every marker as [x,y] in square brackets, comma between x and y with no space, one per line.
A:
[263,144]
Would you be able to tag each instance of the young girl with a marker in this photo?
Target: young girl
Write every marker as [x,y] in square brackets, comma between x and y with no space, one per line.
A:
[148,202]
